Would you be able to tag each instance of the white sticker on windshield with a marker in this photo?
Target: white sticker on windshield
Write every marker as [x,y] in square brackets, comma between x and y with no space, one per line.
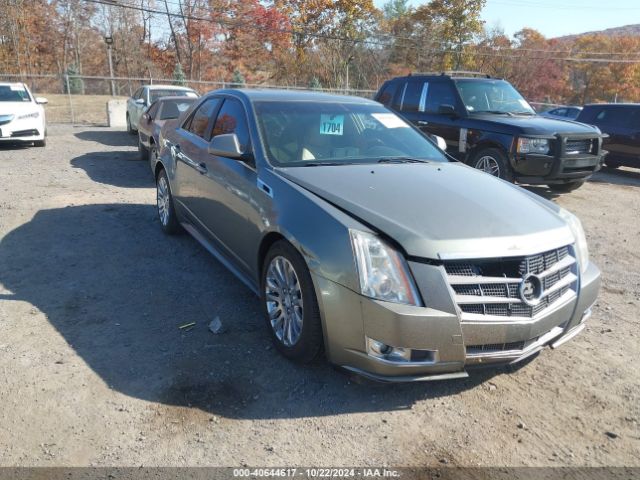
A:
[17,88]
[390,120]
[331,124]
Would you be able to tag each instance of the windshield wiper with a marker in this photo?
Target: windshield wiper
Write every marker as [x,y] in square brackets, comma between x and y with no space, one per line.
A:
[496,112]
[325,164]
[523,113]
[401,160]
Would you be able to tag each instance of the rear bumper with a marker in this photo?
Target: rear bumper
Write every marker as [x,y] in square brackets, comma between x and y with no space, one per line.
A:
[438,333]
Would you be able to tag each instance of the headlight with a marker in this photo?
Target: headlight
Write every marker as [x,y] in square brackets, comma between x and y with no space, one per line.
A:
[533,145]
[29,115]
[383,272]
[582,251]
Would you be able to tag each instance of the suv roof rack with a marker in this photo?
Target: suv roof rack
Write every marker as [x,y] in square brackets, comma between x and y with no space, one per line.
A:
[452,73]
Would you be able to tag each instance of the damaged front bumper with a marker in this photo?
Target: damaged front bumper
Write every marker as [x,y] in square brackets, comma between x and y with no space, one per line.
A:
[438,342]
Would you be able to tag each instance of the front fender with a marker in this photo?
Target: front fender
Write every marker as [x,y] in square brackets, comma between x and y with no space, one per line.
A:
[318,230]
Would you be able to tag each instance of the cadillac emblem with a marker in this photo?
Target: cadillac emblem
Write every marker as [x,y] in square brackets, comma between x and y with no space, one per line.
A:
[531,290]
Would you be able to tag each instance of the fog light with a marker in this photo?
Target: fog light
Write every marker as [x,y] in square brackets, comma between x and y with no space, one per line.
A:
[387,352]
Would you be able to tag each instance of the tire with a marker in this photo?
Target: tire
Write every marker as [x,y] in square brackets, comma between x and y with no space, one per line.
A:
[165,207]
[130,129]
[153,153]
[612,164]
[298,296]
[494,162]
[40,143]
[566,187]
[144,151]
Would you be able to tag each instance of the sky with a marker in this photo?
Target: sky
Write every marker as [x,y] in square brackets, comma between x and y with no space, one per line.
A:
[554,18]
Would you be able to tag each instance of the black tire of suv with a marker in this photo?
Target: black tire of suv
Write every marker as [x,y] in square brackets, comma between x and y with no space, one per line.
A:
[40,143]
[144,151]
[566,187]
[501,160]
[172,225]
[612,164]
[310,343]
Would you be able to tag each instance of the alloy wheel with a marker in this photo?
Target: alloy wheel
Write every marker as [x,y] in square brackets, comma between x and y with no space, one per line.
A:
[284,301]
[489,165]
[164,199]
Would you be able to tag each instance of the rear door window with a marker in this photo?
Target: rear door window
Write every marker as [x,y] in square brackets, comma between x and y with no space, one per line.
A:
[386,95]
[614,116]
[413,92]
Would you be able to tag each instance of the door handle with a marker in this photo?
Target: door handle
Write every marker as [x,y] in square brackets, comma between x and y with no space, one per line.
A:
[422,122]
[202,168]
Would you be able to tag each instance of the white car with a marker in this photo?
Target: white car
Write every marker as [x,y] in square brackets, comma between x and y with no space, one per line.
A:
[146,95]
[21,115]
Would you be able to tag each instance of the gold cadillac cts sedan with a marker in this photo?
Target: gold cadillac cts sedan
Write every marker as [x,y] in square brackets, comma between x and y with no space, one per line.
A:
[362,239]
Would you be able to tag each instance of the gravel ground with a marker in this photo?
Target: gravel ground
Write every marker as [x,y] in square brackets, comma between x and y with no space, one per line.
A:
[94,369]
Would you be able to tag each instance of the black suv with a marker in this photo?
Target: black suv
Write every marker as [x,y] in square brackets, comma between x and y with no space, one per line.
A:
[621,121]
[489,125]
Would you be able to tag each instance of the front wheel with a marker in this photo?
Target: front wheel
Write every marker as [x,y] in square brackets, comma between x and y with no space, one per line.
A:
[130,128]
[290,303]
[166,210]
[494,162]
[566,187]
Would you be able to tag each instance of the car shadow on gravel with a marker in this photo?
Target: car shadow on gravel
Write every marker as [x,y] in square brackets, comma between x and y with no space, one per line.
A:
[135,305]
[118,168]
[109,137]
[618,176]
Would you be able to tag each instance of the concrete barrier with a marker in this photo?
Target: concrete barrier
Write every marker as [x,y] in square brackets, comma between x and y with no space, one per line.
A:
[117,113]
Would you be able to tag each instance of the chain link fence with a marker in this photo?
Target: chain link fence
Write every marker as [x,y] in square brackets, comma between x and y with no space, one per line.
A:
[80,99]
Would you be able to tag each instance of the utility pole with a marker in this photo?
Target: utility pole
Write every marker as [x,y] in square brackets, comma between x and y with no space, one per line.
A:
[109,41]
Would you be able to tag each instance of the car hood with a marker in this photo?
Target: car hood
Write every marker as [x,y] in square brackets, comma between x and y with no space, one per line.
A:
[18,108]
[439,210]
[535,124]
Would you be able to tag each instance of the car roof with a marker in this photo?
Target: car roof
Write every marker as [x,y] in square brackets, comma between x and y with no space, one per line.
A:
[15,84]
[267,95]
[613,105]
[166,87]
[175,97]
[448,77]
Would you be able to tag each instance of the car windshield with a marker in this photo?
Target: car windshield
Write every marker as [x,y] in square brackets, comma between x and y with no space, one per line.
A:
[156,94]
[306,133]
[174,108]
[14,93]
[492,96]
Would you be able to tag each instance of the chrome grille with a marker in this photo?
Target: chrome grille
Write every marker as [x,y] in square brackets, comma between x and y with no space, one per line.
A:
[491,288]
[577,147]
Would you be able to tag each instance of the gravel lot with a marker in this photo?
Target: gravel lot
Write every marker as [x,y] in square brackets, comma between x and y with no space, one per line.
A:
[94,369]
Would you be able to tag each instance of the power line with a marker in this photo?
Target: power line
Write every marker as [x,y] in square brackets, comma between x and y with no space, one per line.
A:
[298,31]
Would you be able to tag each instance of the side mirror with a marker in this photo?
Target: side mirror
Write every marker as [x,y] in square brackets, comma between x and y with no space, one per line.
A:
[225,145]
[41,100]
[141,101]
[441,142]
[448,110]
[146,117]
